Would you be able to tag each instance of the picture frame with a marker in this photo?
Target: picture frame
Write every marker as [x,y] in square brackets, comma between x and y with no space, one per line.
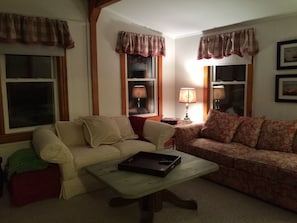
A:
[287,55]
[286,88]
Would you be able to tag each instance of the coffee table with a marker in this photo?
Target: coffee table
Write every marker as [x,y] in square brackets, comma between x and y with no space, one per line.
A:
[150,191]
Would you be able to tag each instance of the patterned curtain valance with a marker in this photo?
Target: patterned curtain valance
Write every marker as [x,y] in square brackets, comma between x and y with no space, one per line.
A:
[144,45]
[241,42]
[34,30]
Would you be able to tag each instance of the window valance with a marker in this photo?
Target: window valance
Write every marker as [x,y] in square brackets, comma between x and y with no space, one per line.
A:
[144,45]
[240,42]
[34,30]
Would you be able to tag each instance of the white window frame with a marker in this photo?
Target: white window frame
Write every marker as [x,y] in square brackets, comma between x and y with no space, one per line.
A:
[5,80]
[215,83]
[155,82]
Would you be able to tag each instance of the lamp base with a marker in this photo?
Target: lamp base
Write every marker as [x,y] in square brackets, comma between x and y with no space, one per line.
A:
[186,118]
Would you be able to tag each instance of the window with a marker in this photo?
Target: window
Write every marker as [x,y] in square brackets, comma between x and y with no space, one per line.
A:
[141,85]
[34,93]
[29,91]
[230,88]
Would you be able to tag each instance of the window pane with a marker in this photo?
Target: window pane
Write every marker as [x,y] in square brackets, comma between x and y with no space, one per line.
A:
[139,66]
[230,73]
[30,104]
[24,66]
[233,100]
[141,97]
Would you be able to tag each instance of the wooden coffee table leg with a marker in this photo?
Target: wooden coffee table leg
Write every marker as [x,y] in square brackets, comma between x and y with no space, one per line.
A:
[168,196]
[119,202]
[153,203]
[147,207]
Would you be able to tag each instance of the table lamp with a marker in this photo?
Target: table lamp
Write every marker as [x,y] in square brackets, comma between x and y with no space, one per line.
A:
[218,95]
[187,95]
[139,91]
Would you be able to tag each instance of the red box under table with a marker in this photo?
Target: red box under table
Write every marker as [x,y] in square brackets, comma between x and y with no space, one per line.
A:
[34,186]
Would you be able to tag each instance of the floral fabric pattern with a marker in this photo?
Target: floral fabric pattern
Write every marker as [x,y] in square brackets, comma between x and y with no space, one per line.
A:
[185,133]
[248,131]
[221,153]
[273,165]
[220,126]
[277,135]
[268,174]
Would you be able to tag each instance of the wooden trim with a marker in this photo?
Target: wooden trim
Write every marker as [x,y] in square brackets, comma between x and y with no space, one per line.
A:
[62,88]
[206,95]
[2,127]
[160,89]
[95,7]
[63,105]
[93,16]
[123,68]
[94,68]
[15,137]
[249,93]
[123,83]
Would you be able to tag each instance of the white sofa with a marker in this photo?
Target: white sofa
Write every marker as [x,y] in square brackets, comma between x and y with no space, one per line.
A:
[74,145]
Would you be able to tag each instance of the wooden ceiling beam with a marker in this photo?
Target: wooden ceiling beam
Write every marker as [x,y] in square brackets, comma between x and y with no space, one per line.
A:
[104,3]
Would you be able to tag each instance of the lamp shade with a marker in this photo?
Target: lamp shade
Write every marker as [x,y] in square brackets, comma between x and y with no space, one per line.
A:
[139,91]
[187,95]
[218,92]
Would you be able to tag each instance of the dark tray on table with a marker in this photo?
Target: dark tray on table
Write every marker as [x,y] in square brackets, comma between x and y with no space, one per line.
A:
[150,163]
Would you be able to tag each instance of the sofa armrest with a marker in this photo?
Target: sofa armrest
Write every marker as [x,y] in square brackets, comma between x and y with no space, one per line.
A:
[49,147]
[185,133]
[157,132]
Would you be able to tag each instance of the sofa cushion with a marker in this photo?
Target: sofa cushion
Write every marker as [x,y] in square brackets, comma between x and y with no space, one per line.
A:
[129,147]
[85,156]
[71,133]
[220,126]
[221,153]
[101,130]
[277,135]
[294,147]
[125,127]
[248,131]
[273,165]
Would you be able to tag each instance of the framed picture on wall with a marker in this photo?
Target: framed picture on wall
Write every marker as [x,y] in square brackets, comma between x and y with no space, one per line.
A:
[287,54]
[286,88]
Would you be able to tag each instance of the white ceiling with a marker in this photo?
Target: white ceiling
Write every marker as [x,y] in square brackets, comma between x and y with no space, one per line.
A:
[180,18]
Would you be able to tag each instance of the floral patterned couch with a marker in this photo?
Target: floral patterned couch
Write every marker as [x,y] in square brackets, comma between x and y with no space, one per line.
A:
[256,156]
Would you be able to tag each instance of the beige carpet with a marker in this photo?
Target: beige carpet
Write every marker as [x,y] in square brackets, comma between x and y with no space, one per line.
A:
[216,204]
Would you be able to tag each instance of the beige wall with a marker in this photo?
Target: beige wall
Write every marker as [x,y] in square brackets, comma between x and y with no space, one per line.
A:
[268,33]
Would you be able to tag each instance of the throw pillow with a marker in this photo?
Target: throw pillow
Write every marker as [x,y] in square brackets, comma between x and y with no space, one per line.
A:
[125,127]
[137,123]
[70,133]
[220,126]
[101,130]
[277,135]
[248,131]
